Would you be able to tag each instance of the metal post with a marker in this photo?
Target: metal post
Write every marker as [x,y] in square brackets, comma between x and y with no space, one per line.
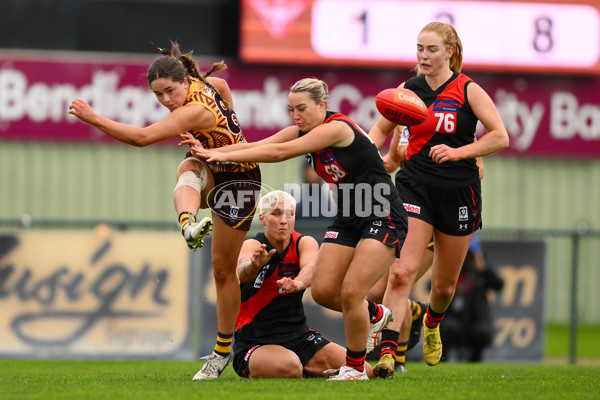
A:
[574,270]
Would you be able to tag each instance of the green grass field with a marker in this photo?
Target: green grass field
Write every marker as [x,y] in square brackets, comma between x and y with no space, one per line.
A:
[587,346]
[149,380]
[38,379]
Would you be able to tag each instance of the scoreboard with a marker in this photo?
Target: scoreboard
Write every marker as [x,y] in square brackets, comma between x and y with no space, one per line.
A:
[558,36]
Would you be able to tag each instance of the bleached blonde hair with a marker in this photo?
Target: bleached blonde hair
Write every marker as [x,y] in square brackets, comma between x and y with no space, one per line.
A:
[276,197]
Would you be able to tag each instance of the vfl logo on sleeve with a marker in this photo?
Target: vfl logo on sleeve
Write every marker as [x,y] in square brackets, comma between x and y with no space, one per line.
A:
[444,113]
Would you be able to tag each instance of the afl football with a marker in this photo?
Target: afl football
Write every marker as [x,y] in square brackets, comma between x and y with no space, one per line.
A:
[401,106]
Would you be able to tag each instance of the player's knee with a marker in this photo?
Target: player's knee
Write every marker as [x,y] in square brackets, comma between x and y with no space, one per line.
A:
[290,369]
[323,296]
[444,291]
[191,173]
[399,278]
[222,275]
[350,296]
[282,367]
[192,178]
[318,296]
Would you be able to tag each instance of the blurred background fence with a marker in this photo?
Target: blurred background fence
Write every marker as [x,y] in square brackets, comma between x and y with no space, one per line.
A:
[567,277]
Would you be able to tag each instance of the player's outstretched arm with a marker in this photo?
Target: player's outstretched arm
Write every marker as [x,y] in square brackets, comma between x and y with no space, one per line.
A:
[253,256]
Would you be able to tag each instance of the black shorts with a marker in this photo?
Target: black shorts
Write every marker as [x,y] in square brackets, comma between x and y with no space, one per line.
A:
[455,212]
[235,196]
[305,346]
[389,231]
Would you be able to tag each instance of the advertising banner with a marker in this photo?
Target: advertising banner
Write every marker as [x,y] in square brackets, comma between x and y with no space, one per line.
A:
[145,295]
[545,115]
[516,312]
[66,294]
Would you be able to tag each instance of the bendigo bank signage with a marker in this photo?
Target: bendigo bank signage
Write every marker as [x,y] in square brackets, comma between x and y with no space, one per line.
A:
[545,115]
[71,294]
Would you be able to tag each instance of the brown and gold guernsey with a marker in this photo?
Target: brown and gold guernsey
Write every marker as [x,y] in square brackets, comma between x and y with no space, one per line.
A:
[226,130]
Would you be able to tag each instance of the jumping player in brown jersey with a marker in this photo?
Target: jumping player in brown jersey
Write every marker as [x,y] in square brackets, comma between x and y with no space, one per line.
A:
[202,106]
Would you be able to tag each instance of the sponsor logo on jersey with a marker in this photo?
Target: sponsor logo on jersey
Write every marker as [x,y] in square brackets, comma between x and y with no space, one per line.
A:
[325,156]
[287,269]
[331,235]
[373,231]
[446,105]
[462,227]
[412,208]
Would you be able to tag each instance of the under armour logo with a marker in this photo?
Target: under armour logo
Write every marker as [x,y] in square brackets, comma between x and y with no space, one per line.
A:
[462,227]
[373,231]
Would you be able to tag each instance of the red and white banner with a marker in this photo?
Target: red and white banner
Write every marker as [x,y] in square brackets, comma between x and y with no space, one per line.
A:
[545,115]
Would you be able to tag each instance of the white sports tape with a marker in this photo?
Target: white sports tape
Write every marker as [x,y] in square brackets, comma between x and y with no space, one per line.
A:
[192,178]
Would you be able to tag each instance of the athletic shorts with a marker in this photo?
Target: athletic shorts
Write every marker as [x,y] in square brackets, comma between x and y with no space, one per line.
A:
[305,346]
[389,231]
[455,212]
[235,196]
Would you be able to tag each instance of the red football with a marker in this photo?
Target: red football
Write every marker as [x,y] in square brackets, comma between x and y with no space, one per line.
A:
[401,106]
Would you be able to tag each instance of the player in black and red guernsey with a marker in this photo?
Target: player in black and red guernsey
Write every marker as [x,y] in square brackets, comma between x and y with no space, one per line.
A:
[370,226]
[272,337]
[439,183]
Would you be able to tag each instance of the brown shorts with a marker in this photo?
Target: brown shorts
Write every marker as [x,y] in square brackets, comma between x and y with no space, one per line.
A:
[234,197]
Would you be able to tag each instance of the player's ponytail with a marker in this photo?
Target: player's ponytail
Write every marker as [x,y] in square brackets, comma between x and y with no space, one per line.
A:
[177,66]
[456,60]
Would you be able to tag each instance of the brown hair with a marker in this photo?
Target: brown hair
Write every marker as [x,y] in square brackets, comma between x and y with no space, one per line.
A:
[176,66]
[450,39]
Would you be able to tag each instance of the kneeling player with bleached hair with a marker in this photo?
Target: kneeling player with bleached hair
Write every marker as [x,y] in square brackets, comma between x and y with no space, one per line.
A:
[272,337]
